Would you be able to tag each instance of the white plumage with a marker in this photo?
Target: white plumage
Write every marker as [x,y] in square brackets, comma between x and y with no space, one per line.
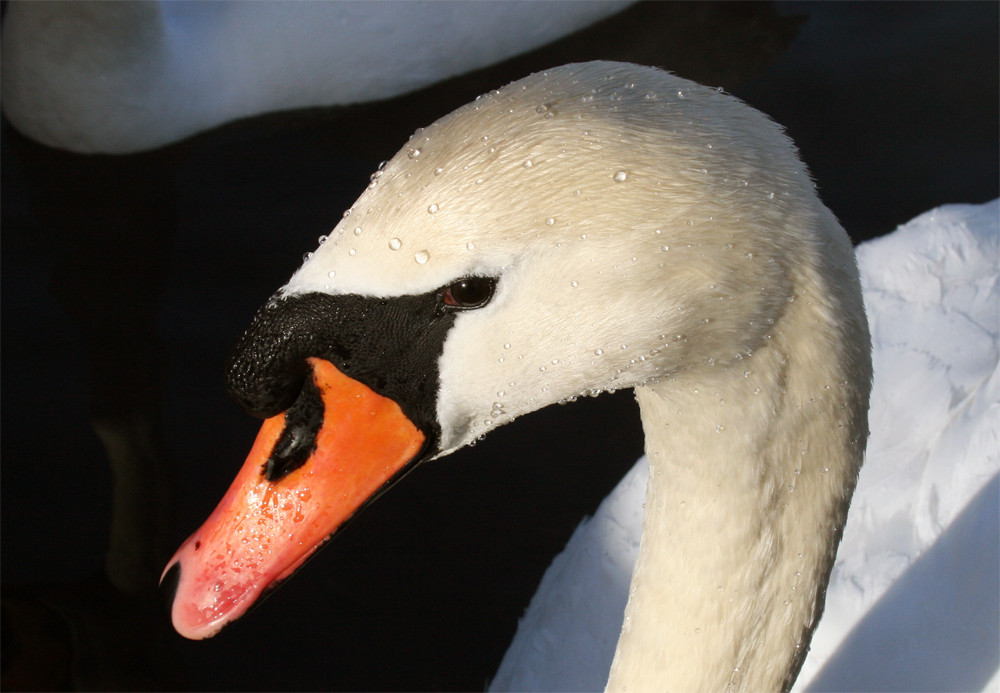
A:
[932,291]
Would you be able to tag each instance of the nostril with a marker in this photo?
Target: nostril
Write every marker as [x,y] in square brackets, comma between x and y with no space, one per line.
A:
[298,439]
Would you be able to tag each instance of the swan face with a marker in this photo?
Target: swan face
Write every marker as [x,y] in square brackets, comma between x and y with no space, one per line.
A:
[617,225]
[631,220]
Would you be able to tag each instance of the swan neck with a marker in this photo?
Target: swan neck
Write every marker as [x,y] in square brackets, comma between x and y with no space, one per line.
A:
[751,472]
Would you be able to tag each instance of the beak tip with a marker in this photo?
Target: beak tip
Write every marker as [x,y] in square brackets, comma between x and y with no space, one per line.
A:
[170,578]
[168,585]
[181,604]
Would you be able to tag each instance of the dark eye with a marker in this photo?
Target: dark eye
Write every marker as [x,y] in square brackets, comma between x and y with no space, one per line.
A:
[474,292]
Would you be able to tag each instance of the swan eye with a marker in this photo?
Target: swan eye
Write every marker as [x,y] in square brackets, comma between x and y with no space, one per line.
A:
[473,292]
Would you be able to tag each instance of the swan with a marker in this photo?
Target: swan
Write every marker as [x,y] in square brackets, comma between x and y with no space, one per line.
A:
[589,228]
[123,77]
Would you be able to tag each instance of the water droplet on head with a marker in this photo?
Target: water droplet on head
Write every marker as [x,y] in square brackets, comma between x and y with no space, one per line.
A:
[422,256]
[322,240]
[306,256]
[470,246]
[413,154]
[620,176]
[598,352]
[332,274]
[357,230]
[528,163]
[438,171]
[550,221]
[395,244]
[432,208]
[352,252]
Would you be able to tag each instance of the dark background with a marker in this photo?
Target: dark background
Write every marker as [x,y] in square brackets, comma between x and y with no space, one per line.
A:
[126,280]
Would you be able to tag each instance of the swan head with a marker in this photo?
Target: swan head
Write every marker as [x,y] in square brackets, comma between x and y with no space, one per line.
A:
[593,227]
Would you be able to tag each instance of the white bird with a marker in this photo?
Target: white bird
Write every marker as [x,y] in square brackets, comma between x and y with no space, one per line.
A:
[594,227]
[120,77]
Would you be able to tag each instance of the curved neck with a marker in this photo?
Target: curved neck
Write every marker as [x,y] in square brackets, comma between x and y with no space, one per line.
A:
[751,473]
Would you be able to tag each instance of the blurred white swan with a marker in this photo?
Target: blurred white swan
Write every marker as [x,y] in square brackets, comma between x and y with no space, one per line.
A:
[121,77]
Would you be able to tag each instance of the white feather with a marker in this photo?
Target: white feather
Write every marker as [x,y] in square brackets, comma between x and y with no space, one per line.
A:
[932,290]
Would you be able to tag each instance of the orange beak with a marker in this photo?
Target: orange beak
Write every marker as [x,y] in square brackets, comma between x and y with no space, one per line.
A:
[262,530]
